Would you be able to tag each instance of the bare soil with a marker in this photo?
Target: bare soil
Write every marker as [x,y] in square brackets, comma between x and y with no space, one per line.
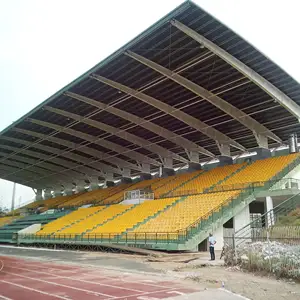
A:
[214,275]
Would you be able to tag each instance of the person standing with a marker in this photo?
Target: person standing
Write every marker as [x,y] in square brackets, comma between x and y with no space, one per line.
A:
[212,242]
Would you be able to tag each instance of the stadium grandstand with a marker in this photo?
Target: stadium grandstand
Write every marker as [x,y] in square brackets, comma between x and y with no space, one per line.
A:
[186,130]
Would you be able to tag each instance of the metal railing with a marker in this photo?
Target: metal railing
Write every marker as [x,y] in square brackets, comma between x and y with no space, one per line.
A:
[262,228]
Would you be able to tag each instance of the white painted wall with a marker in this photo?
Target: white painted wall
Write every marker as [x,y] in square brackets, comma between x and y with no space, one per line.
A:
[31,229]
[219,236]
[240,220]
[134,201]
[269,206]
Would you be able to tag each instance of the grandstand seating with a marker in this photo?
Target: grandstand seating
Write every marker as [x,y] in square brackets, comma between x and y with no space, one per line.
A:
[170,214]
[186,212]
[107,213]
[50,203]
[7,230]
[69,219]
[6,220]
[260,171]
[196,182]
[137,214]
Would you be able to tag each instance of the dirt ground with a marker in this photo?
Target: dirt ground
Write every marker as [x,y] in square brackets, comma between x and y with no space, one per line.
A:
[212,275]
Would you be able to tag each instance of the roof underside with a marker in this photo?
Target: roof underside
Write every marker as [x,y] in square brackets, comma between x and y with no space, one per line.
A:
[77,146]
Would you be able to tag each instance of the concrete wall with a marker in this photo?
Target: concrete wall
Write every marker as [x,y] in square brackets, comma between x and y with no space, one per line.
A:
[240,220]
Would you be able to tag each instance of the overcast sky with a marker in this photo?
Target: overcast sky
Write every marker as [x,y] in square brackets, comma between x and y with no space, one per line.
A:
[46,44]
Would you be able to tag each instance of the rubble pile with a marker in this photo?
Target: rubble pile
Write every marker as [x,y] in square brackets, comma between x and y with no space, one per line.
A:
[282,260]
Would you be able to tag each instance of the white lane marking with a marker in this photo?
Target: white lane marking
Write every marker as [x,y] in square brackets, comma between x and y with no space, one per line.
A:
[142,294]
[110,277]
[5,298]
[34,290]
[81,280]
[58,284]
[176,292]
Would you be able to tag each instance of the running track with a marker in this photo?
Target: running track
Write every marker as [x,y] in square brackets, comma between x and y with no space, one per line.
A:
[27,279]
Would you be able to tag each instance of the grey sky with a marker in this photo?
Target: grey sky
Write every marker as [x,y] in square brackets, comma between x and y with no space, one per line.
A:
[47,44]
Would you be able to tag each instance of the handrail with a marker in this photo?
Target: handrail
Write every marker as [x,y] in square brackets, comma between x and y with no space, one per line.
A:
[268,212]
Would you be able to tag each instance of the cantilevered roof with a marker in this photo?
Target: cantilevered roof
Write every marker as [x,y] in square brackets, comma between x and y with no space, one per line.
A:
[186,89]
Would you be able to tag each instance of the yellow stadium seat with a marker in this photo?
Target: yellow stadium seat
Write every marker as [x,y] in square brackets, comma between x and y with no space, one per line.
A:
[138,214]
[185,213]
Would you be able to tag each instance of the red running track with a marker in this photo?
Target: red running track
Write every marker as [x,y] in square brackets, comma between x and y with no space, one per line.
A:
[27,279]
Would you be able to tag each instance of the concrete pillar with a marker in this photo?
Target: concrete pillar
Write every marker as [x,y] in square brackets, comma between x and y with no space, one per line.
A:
[94,183]
[225,160]
[261,153]
[47,193]
[240,221]
[57,191]
[81,186]
[145,173]
[68,188]
[126,176]
[39,194]
[194,164]
[167,169]
[270,220]
[109,180]
[219,236]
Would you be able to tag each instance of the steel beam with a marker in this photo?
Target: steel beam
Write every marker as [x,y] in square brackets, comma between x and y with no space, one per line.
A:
[22,177]
[106,144]
[90,151]
[97,165]
[102,142]
[78,171]
[176,113]
[46,166]
[165,133]
[215,100]
[156,149]
[37,169]
[263,83]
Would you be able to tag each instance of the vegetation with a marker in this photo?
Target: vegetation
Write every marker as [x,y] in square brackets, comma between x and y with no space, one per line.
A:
[291,219]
